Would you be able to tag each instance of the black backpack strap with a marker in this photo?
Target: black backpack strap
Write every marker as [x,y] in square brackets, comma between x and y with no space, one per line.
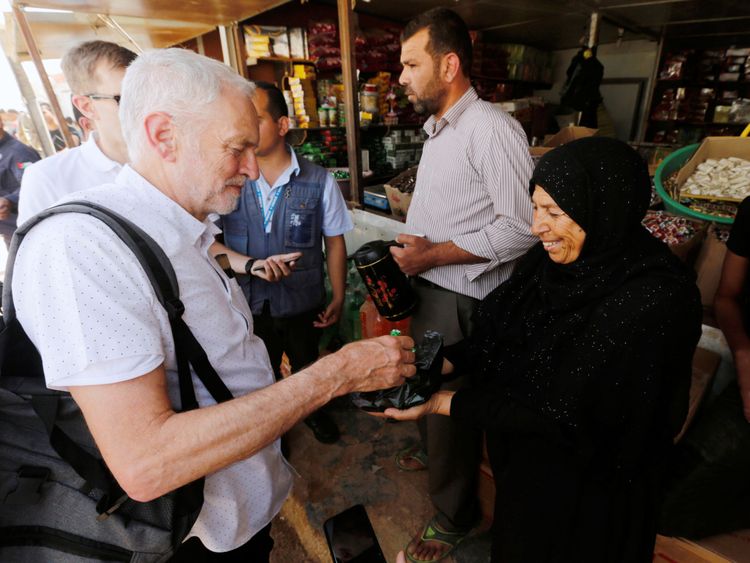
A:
[188,352]
[159,270]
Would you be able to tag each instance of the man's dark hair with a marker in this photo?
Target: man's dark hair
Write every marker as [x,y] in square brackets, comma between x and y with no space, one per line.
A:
[448,34]
[276,103]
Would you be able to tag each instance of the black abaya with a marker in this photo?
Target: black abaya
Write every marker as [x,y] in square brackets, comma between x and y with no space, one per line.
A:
[583,371]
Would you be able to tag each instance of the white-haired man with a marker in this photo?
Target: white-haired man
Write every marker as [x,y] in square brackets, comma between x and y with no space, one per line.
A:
[88,307]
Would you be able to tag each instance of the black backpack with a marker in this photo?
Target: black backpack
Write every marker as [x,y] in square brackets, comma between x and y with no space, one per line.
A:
[58,500]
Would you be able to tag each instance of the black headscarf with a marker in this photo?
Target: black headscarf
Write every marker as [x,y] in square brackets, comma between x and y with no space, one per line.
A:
[543,334]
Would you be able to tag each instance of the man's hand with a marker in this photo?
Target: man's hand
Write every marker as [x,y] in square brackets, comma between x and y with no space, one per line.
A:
[5,208]
[742,365]
[415,257]
[330,316]
[376,363]
[275,267]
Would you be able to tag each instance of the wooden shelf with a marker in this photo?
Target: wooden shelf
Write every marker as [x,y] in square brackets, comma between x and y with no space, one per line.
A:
[287,60]
[701,83]
[374,126]
[533,83]
[699,123]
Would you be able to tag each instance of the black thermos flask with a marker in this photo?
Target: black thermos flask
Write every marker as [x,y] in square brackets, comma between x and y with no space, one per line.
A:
[387,284]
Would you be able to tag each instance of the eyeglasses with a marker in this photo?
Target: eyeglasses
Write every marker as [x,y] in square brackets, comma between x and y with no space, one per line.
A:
[115,97]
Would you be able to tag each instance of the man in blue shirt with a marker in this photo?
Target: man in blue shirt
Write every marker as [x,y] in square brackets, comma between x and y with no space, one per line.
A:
[14,158]
[293,207]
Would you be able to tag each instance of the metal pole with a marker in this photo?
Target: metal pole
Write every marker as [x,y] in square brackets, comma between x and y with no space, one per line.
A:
[29,98]
[225,54]
[110,22]
[23,25]
[593,30]
[230,48]
[239,50]
[349,68]
[651,87]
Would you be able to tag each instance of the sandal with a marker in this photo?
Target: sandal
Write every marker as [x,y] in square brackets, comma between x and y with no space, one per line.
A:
[434,533]
[413,453]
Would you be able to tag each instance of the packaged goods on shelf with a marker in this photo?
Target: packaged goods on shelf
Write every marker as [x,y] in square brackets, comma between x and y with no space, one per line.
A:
[674,65]
[323,45]
[681,234]
[266,41]
[670,229]
[740,111]
[298,43]
[511,61]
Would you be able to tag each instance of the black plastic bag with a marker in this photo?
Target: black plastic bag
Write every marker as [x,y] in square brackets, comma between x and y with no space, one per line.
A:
[417,389]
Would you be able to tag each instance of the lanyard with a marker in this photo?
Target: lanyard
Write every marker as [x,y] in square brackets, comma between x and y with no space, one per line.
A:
[271,208]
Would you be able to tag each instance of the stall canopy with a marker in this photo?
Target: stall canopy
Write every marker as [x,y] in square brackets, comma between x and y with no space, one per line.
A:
[560,24]
[150,23]
[211,12]
[56,32]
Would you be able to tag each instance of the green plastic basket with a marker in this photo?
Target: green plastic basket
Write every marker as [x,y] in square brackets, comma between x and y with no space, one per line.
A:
[671,164]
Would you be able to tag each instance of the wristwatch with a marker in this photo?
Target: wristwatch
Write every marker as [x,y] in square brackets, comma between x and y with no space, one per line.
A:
[249,265]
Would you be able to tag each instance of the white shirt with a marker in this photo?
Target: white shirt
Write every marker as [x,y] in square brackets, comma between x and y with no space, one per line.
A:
[336,219]
[52,178]
[87,305]
[473,189]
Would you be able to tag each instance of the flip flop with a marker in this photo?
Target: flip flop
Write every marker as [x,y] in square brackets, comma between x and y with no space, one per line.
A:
[433,533]
[412,452]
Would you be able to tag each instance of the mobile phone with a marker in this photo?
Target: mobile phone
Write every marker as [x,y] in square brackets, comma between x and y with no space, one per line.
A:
[261,268]
[351,538]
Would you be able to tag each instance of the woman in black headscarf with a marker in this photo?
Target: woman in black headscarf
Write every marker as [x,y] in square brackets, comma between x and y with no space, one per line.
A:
[581,366]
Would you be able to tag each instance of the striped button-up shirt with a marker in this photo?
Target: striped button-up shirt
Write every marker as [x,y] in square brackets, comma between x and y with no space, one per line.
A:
[473,189]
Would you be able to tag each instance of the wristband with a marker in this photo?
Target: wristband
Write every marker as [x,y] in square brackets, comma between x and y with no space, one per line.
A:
[249,265]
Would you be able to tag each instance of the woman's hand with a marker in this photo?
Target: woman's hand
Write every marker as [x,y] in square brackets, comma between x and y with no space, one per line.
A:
[439,403]
[447,368]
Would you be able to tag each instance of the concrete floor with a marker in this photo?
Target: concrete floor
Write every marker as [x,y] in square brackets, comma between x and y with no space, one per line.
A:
[359,469]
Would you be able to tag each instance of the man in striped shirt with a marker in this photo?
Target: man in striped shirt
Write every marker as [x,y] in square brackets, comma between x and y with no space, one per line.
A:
[469,221]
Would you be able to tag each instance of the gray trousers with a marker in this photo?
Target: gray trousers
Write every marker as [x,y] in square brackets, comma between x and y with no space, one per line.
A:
[453,450]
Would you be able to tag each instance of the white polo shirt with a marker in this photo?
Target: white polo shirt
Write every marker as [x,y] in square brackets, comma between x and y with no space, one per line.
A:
[47,181]
[89,308]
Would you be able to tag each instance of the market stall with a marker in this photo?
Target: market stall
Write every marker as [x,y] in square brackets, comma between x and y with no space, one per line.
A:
[339,70]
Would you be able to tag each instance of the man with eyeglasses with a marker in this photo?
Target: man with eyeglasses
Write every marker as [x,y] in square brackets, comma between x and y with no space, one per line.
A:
[94,71]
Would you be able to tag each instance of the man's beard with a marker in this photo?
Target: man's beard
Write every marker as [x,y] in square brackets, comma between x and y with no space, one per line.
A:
[432,99]
[223,202]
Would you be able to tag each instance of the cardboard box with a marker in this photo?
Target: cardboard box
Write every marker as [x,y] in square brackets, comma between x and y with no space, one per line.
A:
[565,135]
[708,266]
[734,546]
[687,251]
[705,364]
[398,200]
[679,550]
[714,147]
